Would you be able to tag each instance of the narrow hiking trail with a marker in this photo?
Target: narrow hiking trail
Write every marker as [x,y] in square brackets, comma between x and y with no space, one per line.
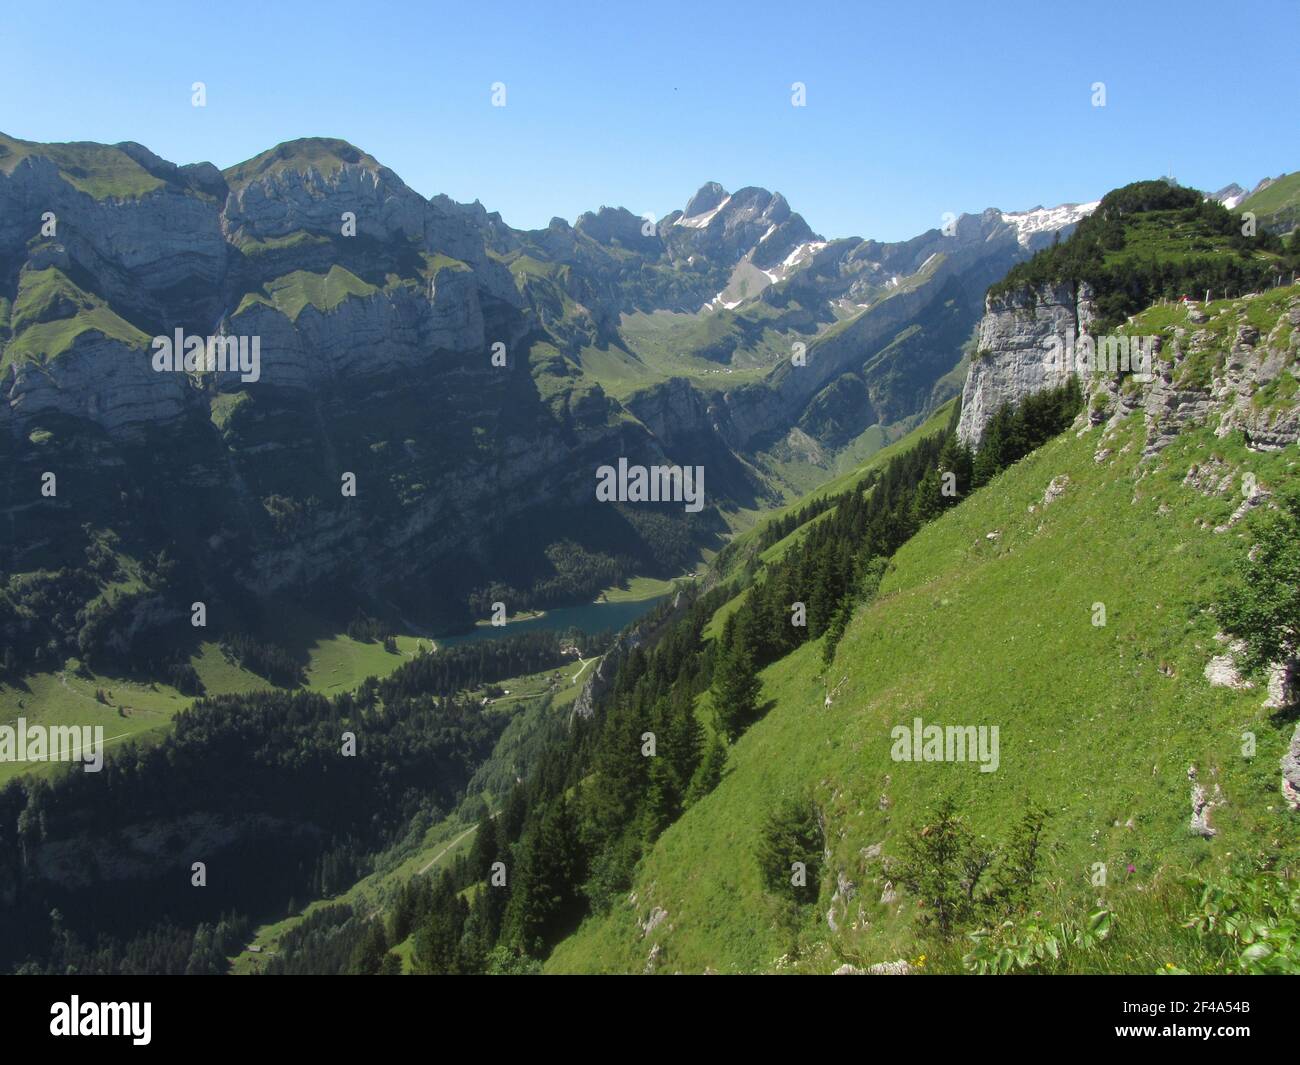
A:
[433,861]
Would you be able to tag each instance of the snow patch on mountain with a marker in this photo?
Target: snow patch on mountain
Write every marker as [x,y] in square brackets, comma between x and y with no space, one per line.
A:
[801,254]
[1230,195]
[1046,219]
[699,221]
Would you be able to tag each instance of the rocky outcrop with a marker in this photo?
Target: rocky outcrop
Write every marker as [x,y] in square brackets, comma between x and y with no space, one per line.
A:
[1291,771]
[1203,802]
[653,920]
[845,892]
[1220,372]
[1014,350]
[277,201]
[880,968]
[1254,362]
[101,380]
[1055,489]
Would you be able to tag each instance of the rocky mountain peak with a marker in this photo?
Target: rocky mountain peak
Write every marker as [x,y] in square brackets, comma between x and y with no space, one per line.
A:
[618,224]
[307,184]
[707,198]
[1230,195]
[325,155]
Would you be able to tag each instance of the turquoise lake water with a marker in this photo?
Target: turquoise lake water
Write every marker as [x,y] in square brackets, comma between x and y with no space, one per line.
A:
[589,618]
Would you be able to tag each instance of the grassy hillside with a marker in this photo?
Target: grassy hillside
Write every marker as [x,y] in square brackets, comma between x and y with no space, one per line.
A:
[1278,206]
[1098,724]
[326,155]
[131,705]
[50,313]
[100,170]
[1150,241]
[297,291]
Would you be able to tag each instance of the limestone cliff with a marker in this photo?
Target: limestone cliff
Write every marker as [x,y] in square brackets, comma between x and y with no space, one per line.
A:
[1013,346]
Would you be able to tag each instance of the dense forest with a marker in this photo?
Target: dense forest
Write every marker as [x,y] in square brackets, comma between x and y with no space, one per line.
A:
[290,794]
[564,571]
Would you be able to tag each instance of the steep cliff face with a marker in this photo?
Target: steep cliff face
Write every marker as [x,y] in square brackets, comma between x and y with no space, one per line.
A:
[1210,363]
[100,379]
[273,194]
[328,258]
[1014,346]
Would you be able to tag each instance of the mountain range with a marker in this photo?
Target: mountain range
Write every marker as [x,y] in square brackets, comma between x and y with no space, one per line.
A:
[470,375]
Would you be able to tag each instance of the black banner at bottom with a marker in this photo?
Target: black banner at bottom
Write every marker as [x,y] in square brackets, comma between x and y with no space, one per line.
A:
[140,1014]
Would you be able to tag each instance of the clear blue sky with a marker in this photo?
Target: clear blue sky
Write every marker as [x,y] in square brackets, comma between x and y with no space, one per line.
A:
[913,108]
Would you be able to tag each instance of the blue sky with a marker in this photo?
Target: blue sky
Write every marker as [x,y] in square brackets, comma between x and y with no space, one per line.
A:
[913,109]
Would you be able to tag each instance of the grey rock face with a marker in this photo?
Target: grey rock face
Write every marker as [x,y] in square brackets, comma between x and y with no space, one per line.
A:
[101,380]
[1203,802]
[880,968]
[281,202]
[1013,352]
[845,892]
[617,225]
[1283,681]
[653,920]
[142,249]
[1013,360]
[168,259]
[1055,489]
[708,197]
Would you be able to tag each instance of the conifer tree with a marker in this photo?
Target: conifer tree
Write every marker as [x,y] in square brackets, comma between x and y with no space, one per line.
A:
[735,686]
[709,773]
[791,836]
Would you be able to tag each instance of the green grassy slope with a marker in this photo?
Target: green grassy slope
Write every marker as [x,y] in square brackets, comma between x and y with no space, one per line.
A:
[334,663]
[1278,206]
[50,313]
[1099,724]
[327,155]
[100,170]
